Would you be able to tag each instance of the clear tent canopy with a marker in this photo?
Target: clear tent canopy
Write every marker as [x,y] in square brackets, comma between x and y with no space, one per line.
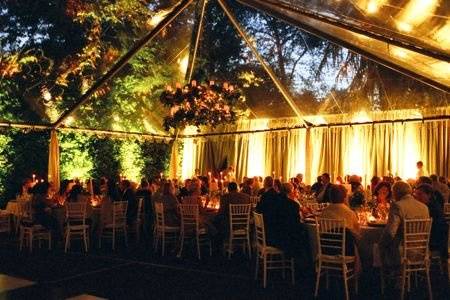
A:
[398,59]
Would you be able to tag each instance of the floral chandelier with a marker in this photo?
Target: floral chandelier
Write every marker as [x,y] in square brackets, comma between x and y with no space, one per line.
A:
[207,104]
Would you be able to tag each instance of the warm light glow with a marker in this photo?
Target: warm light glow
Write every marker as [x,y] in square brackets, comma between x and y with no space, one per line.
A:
[441,69]
[399,52]
[442,36]
[157,18]
[405,27]
[415,13]
[69,120]
[361,117]
[257,149]
[188,162]
[316,120]
[46,94]
[183,63]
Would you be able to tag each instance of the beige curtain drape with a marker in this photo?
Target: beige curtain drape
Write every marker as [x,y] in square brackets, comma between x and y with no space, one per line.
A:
[53,160]
[365,150]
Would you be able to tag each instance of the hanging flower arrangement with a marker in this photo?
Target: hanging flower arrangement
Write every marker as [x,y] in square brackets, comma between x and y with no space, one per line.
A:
[208,105]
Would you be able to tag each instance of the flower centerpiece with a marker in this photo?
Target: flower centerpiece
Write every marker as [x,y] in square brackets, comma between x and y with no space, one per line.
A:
[208,104]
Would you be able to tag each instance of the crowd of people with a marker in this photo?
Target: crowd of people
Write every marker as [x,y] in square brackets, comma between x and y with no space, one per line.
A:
[281,203]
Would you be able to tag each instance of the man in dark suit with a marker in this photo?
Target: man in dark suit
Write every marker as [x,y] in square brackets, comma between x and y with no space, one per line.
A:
[129,196]
[232,197]
[270,206]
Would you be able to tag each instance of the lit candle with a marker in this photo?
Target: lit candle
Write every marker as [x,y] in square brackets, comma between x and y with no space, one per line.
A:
[281,178]
[194,83]
[221,175]
[273,174]
[34,177]
[178,85]
[42,180]
[161,175]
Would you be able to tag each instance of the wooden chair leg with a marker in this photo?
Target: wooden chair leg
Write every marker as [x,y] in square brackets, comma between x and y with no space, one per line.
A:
[66,245]
[264,271]
[344,274]
[256,266]
[403,282]
[430,294]
[319,270]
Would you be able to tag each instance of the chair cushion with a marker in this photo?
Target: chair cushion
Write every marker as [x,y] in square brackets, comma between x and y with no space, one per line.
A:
[337,258]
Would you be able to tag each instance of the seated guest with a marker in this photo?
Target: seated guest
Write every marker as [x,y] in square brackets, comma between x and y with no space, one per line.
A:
[232,197]
[256,187]
[73,194]
[277,185]
[444,180]
[440,187]
[184,191]
[129,196]
[439,228]
[437,194]
[317,186]
[282,222]
[41,209]
[403,207]
[246,186]
[170,203]
[338,209]
[204,188]
[383,198]
[269,206]
[322,196]
[144,192]
[357,197]
[374,183]
[299,178]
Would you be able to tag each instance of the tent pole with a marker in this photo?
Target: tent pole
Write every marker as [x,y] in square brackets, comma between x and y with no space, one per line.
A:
[191,66]
[261,60]
[123,60]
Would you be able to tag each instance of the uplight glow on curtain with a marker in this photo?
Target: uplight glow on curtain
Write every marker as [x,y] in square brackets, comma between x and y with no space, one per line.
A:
[189,153]
[257,150]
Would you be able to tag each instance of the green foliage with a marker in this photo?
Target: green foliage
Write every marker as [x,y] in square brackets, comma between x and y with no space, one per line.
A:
[21,155]
[131,161]
[156,158]
[75,159]
[105,154]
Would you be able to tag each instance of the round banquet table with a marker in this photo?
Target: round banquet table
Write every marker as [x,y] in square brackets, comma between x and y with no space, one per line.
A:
[370,235]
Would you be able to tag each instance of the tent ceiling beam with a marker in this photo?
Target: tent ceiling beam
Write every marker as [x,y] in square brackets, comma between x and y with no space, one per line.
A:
[331,125]
[85,130]
[264,5]
[198,34]
[263,63]
[124,59]
[276,11]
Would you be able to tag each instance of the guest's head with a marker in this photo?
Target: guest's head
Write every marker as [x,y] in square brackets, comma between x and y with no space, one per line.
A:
[63,187]
[268,182]
[299,177]
[232,187]
[325,178]
[319,179]
[187,183]
[424,193]
[424,179]
[167,189]
[443,180]
[277,185]
[434,178]
[339,180]
[400,189]
[397,178]
[125,184]
[419,164]
[337,193]
[144,183]
[40,188]
[288,190]
[383,191]
[375,181]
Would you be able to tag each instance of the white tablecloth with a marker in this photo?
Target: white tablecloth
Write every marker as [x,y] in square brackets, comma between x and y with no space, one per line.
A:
[369,237]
